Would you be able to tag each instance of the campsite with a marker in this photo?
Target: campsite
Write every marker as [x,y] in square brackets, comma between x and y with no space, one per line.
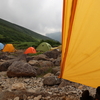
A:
[37,67]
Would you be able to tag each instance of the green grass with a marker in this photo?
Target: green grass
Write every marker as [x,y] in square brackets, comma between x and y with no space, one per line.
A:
[25,45]
[10,32]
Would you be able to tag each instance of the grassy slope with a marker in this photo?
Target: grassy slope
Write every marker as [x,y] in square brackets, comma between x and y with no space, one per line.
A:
[10,32]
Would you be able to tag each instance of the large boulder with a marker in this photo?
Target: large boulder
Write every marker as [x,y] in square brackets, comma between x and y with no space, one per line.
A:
[20,69]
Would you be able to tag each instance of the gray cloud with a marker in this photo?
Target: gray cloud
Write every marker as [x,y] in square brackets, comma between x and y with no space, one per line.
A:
[42,16]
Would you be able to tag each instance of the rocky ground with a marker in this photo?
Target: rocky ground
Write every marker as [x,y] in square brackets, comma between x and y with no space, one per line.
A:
[24,77]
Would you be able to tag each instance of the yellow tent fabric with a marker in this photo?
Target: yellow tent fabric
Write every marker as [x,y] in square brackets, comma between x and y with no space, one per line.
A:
[81,42]
[9,48]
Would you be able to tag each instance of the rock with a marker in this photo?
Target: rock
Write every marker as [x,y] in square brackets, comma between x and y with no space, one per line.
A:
[45,64]
[63,83]
[7,95]
[42,70]
[20,69]
[52,60]
[26,80]
[33,62]
[63,98]
[80,87]
[55,69]
[24,97]
[4,56]
[53,54]
[1,60]
[18,86]
[58,73]
[57,61]
[22,57]
[16,98]
[48,75]
[40,57]
[38,97]
[31,90]
[4,66]
[43,67]
[52,80]
[0,90]
[3,73]
[28,58]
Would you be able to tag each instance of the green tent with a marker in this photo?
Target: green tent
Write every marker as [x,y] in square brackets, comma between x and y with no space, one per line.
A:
[44,46]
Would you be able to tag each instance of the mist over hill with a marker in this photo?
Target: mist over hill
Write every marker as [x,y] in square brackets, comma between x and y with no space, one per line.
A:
[56,36]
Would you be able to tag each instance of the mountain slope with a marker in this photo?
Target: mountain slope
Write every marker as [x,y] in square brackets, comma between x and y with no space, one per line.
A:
[10,32]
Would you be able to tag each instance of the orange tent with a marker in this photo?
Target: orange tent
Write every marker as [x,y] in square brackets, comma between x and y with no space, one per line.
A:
[9,48]
[30,50]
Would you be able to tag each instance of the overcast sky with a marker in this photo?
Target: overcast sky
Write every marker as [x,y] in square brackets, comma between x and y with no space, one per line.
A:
[42,16]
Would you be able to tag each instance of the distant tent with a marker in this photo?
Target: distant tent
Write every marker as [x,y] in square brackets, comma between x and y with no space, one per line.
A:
[9,48]
[44,46]
[1,46]
[58,48]
[30,50]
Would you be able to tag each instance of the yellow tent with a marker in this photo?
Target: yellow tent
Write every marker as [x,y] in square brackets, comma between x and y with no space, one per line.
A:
[81,42]
[9,48]
[58,48]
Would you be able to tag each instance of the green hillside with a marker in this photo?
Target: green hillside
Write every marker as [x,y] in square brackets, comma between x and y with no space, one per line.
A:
[10,32]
